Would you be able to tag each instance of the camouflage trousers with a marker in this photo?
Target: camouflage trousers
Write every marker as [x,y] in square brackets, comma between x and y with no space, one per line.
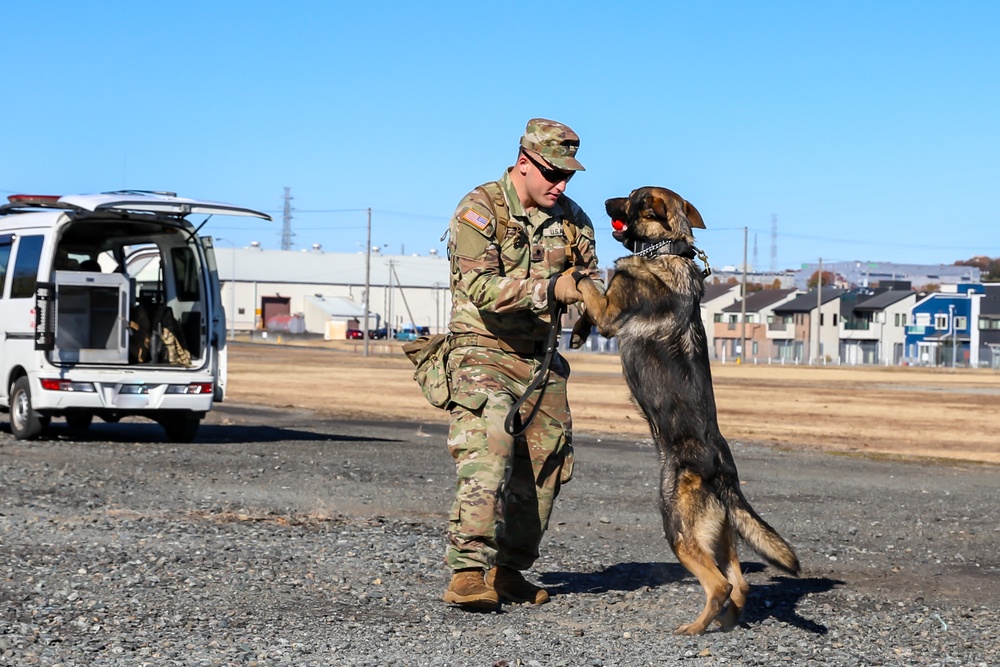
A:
[505,486]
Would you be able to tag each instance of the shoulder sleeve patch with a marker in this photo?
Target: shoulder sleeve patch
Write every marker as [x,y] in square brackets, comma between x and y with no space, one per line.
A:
[470,216]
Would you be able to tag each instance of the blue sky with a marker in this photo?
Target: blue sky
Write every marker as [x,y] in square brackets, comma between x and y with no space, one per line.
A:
[868,129]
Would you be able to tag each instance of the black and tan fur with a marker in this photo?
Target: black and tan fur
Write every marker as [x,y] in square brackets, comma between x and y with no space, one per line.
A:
[653,306]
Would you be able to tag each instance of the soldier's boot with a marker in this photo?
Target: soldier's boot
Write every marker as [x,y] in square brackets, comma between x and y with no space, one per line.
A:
[468,589]
[511,585]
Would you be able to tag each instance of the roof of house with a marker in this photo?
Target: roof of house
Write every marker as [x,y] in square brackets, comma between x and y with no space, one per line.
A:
[336,306]
[807,302]
[715,290]
[883,300]
[756,301]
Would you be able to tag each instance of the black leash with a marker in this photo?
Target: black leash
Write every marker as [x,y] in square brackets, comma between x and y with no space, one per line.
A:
[513,424]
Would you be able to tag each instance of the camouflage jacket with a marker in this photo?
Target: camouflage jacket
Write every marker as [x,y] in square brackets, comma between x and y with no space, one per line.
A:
[499,289]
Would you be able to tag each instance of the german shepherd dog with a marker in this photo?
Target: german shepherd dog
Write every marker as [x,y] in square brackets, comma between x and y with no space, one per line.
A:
[652,305]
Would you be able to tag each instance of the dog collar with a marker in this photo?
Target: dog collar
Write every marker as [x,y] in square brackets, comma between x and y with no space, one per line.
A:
[678,248]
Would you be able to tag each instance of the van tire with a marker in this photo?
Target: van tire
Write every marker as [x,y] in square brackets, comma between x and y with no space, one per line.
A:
[25,423]
[181,427]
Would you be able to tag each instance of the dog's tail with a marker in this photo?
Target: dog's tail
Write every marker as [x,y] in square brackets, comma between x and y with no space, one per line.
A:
[757,533]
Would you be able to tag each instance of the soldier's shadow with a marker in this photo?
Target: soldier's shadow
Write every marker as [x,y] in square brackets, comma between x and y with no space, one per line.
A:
[777,599]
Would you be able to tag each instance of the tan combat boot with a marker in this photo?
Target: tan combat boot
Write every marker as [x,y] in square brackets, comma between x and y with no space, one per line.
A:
[468,588]
[511,585]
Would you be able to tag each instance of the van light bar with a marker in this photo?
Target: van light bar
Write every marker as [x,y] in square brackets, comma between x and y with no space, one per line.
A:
[67,385]
[33,199]
[193,388]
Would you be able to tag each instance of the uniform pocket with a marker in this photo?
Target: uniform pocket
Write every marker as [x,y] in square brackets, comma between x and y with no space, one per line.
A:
[566,472]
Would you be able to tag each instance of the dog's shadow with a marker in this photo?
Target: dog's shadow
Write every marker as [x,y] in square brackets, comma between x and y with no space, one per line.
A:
[777,599]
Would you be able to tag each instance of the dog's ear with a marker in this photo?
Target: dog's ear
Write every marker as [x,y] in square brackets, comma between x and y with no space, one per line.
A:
[617,208]
[658,205]
[693,216]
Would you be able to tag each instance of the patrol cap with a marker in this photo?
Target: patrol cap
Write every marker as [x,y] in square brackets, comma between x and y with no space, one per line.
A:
[554,142]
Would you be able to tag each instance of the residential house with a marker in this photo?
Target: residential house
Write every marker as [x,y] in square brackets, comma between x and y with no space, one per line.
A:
[748,320]
[873,325]
[717,296]
[809,331]
[989,326]
[946,327]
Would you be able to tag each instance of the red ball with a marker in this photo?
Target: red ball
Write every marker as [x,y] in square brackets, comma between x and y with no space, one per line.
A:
[617,225]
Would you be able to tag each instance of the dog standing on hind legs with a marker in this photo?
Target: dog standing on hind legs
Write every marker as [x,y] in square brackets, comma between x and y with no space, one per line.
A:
[653,306]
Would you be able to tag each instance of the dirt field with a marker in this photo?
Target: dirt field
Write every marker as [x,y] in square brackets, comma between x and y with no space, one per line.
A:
[892,411]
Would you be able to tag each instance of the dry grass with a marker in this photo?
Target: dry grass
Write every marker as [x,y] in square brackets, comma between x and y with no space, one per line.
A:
[888,411]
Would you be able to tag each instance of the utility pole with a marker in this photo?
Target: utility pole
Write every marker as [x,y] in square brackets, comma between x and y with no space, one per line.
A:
[368,280]
[743,303]
[819,306]
[286,227]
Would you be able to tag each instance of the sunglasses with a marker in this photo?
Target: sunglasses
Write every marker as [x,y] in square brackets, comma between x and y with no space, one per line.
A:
[548,173]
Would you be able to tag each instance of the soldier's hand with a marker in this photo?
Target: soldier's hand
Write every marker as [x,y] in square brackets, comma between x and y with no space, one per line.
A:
[566,291]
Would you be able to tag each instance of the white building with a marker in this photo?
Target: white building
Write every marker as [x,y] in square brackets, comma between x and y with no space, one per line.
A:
[258,285]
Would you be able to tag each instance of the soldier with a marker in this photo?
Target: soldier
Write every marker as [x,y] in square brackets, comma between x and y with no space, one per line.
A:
[507,239]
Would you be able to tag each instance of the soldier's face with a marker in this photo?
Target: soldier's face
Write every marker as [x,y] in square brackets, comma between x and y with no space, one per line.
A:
[540,190]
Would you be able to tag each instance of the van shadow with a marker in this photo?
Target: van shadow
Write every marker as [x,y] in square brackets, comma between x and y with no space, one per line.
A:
[215,434]
[777,599]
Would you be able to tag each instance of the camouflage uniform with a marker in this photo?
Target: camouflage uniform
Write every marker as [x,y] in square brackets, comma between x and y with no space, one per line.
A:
[506,486]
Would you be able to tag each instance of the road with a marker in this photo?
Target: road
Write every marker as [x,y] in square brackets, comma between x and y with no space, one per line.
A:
[890,549]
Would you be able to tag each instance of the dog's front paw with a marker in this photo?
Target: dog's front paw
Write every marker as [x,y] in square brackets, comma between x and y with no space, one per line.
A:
[581,332]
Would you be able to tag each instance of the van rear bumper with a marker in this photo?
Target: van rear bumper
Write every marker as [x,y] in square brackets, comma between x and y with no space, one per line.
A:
[123,395]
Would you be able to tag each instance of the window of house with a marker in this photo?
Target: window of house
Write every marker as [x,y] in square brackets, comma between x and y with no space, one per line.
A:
[717,317]
[941,322]
[961,322]
[770,319]
[750,318]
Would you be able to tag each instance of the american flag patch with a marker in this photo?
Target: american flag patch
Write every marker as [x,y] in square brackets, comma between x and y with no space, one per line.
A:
[474,219]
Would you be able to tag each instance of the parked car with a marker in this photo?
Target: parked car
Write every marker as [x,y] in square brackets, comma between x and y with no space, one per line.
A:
[411,333]
[111,307]
[378,334]
[355,334]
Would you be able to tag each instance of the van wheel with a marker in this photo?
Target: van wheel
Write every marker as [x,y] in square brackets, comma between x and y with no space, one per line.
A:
[181,428]
[79,421]
[25,423]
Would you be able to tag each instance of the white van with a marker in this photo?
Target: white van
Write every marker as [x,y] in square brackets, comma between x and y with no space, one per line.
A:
[110,306]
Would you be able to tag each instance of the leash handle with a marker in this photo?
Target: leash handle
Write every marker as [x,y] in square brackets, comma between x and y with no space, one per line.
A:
[513,424]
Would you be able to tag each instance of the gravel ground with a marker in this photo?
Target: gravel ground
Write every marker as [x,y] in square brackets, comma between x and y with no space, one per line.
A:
[284,539]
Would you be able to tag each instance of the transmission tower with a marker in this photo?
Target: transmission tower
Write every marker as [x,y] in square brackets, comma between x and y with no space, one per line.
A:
[774,243]
[286,228]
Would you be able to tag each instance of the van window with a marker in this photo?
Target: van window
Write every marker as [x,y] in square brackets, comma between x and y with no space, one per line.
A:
[29,251]
[6,241]
[185,274]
